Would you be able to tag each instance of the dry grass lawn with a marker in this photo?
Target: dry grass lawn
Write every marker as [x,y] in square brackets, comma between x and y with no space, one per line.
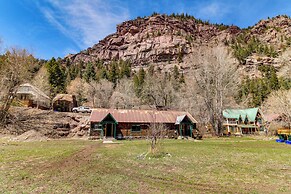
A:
[219,165]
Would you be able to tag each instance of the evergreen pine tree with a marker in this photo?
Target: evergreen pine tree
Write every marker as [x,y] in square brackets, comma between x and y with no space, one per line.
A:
[182,79]
[136,85]
[141,76]
[89,73]
[274,81]
[138,81]
[151,70]
[103,73]
[113,73]
[73,72]
[125,69]
[57,76]
[176,73]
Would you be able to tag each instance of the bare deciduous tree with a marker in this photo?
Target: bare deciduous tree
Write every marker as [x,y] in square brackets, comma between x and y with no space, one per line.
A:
[99,93]
[124,95]
[41,81]
[14,70]
[76,87]
[158,91]
[285,61]
[217,80]
[157,132]
[279,102]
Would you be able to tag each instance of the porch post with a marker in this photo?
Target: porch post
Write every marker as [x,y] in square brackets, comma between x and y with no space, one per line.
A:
[114,132]
[102,131]
[180,126]
[191,129]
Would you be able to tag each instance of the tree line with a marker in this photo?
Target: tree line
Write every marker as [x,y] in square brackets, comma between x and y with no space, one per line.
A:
[149,86]
[244,46]
[254,92]
[204,93]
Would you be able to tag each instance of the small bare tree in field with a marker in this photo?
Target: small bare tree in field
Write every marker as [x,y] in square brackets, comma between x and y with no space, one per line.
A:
[14,70]
[217,79]
[157,132]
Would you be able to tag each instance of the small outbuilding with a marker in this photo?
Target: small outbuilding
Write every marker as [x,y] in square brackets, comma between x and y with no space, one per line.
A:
[64,102]
[31,96]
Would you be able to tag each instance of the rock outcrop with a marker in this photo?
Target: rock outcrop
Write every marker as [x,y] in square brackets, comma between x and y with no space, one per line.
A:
[275,31]
[155,39]
[167,40]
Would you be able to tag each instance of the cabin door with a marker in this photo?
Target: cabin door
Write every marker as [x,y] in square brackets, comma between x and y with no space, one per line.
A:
[187,130]
[109,130]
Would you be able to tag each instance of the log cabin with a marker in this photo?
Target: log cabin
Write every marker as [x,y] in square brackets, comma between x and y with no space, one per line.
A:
[123,124]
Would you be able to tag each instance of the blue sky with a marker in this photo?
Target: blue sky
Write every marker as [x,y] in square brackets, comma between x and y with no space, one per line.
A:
[55,28]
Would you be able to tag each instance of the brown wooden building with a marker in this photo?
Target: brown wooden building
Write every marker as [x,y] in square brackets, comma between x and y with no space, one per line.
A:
[118,123]
[243,121]
[31,96]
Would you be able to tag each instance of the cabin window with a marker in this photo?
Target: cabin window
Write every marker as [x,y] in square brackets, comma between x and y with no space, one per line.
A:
[259,120]
[135,128]
[98,127]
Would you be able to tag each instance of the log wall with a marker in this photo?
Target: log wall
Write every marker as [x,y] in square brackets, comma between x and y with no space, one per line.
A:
[124,130]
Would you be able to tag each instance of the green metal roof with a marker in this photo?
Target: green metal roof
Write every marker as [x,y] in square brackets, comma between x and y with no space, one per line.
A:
[250,113]
[111,119]
[183,119]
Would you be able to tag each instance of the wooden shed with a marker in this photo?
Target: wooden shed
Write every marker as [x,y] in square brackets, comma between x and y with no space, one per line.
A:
[120,123]
[31,96]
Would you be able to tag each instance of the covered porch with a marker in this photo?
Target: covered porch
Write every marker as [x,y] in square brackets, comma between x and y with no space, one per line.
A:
[185,126]
[248,129]
[106,128]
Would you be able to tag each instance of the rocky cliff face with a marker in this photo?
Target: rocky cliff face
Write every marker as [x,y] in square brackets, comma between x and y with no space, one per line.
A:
[167,40]
[154,39]
[274,32]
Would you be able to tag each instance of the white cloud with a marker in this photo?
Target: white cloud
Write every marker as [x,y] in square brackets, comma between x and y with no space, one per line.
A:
[213,9]
[84,21]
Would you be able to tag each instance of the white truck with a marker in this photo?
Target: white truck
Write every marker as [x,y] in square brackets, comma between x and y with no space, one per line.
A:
[81,109]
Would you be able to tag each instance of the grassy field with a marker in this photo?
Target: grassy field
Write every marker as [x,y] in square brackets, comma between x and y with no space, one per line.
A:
[219,165]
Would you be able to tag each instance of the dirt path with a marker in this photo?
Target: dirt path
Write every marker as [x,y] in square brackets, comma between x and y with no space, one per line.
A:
[73,161]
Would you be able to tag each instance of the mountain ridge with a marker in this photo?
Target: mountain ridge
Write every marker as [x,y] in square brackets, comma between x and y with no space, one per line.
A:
[145,34]
[170,39]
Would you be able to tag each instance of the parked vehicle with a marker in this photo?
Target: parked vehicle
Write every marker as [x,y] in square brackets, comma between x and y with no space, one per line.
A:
[284,135]
[81,109]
